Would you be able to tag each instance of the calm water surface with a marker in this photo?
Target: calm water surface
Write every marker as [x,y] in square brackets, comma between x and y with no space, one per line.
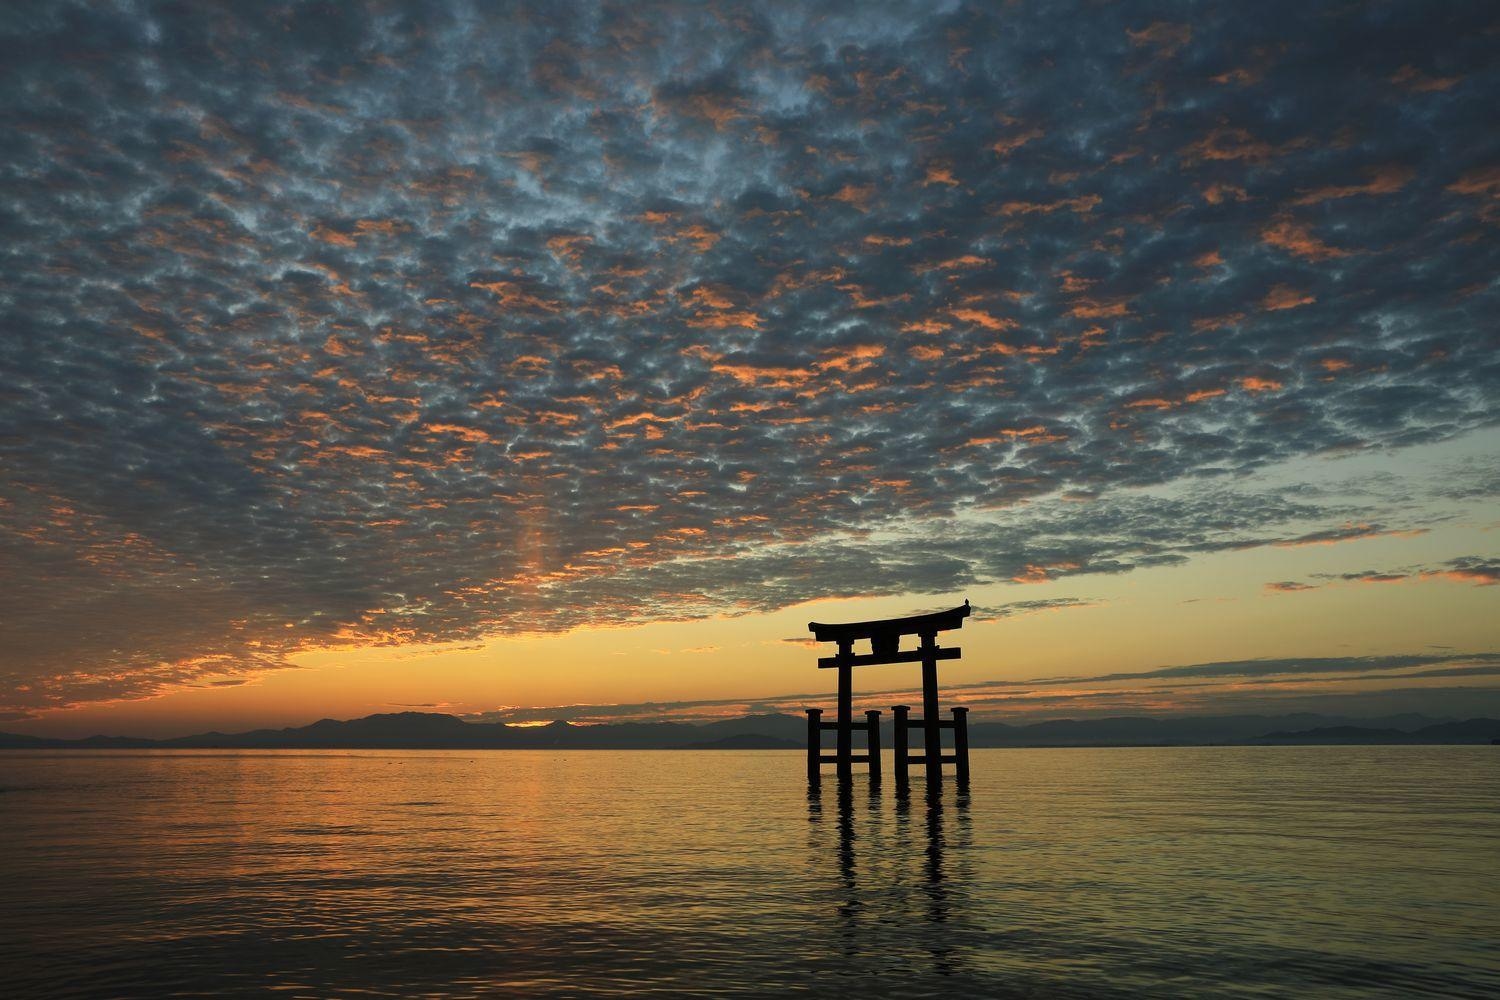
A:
[1326,872]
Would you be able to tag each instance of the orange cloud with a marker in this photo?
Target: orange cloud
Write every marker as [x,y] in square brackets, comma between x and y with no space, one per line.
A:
[1240,76]
[1217,194]
[1350,532]
[777,375]
[1224,143]
[380,227]
[569,248]
[955,263]
[645,417]
[859,196]
[860,300]
[1081,205]
[1163,403]
[473,434]
[1164,37]
[716,311]
[1006,145]
[854,358]
[725,320]
[1480,576]
[1206,323]
[1284,297]
[1093,309]
[1296,238]
[981,318]
[709,297]
[939,175]
[1480,180]
[719,109]
[701,237]
[1036,434]
[1410,77]
[326,235]
[1384,180]
[510,294]
[1035,573]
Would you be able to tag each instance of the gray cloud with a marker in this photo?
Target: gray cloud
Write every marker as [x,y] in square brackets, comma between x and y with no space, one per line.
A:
[337,324]
[1475,570]
[1100,692]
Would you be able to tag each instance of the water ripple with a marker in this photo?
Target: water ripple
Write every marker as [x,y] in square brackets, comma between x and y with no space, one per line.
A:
[1234,872]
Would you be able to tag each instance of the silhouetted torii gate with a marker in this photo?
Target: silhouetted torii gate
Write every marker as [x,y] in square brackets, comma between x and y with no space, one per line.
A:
[885,647]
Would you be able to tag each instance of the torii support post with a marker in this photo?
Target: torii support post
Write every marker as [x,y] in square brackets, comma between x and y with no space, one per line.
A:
[932,740]
[846,714]
[814,745]
[898,749]
[961,748]
[872,726]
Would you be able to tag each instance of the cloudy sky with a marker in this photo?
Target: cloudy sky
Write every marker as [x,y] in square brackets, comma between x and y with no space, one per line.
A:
[498,358]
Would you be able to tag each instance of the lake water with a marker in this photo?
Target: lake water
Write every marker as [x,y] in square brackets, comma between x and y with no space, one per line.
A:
[1236,872]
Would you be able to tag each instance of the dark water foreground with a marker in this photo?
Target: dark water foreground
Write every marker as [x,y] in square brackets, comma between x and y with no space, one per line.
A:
[1326,872]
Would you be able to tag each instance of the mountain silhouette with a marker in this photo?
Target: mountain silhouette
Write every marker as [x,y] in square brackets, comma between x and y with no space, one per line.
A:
[437,731]
[748,741]
[1477,731]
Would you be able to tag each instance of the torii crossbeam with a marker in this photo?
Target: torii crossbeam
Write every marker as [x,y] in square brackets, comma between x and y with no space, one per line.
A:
[885,647]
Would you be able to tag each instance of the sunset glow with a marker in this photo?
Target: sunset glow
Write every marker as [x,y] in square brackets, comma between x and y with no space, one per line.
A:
[562,367]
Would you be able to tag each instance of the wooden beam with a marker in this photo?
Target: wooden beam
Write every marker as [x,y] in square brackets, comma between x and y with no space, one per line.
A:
[871,660]
[938,621]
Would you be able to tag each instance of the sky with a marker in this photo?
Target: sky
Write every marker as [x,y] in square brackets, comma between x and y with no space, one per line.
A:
[541,360]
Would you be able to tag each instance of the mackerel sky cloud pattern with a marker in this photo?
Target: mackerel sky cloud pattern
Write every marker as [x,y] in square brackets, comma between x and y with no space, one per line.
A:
[329,325]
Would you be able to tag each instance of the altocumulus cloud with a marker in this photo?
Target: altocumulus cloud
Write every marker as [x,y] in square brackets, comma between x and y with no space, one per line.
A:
[328,323]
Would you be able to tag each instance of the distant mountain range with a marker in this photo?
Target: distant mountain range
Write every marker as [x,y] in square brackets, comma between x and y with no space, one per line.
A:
[427,730]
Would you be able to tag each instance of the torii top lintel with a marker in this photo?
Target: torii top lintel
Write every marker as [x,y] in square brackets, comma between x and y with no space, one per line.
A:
[885,638]
[937,621]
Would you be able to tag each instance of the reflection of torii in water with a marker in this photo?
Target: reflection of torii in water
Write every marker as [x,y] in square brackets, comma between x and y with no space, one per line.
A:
[922,886]
[885,647]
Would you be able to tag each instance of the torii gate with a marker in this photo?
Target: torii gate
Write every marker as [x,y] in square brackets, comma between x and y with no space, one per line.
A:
[885,647]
